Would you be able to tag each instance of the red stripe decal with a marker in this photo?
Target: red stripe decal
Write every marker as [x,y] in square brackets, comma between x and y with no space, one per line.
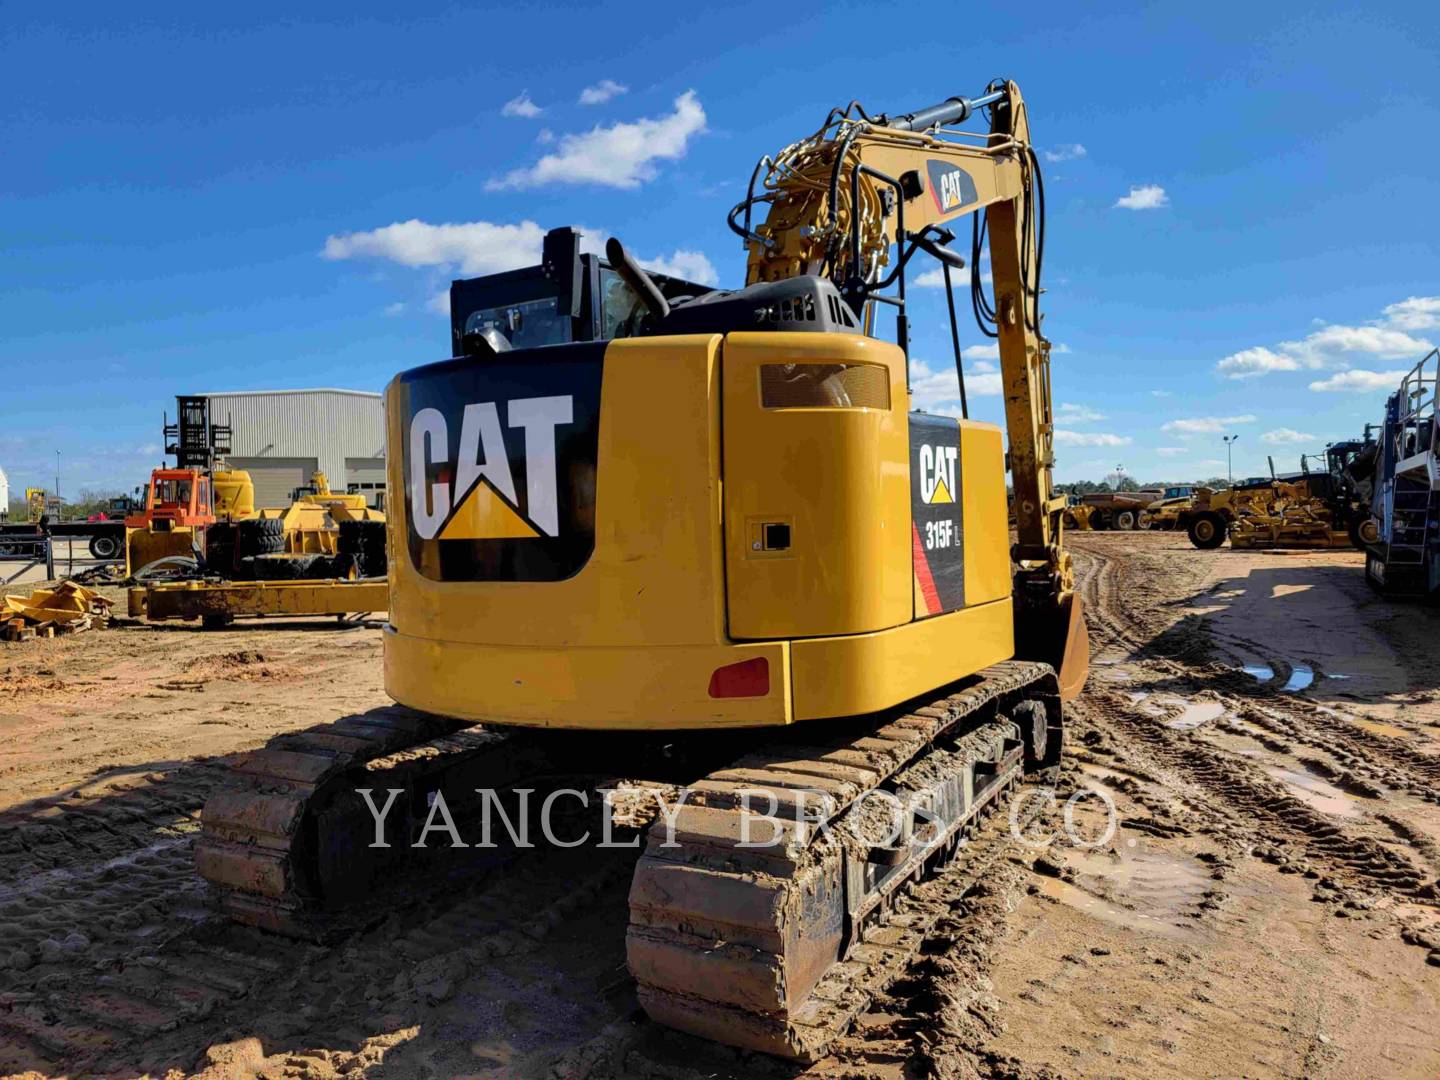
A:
[923,575]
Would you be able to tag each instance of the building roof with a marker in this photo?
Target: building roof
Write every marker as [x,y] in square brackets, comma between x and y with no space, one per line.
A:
[270,393]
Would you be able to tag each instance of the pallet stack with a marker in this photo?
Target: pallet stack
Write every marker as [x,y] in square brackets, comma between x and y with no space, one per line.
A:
[67,608]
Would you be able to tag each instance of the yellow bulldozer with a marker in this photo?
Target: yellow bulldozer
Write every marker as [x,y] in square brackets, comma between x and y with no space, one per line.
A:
[842,623]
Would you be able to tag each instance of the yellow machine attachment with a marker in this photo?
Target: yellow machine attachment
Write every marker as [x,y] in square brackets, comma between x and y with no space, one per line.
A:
[1077,517]
[36,503]
[312,520]
[219,604]
[234,494]
[1286,517]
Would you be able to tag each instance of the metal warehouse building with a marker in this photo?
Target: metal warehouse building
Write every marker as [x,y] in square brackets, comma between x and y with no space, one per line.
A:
[282,437]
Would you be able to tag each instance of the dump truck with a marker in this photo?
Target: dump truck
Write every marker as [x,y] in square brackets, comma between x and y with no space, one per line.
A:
[1122,510]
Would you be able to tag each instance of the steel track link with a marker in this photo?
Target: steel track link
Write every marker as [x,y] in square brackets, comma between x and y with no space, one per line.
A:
[779,948]
[261,842]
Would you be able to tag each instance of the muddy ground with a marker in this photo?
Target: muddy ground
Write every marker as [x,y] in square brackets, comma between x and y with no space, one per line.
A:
[1268,731]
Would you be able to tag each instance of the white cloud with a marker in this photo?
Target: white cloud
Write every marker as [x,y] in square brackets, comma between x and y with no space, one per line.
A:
[1284,435]
[1389,337]
[1090,438]
[1148,197]
[1076,414]
[935,278]
[1162,393]
[934,387]
[1317,350]
[690,265]
[1249,363]
[1356,381]
[439,303]
[395,308]
[1172,451]
[545,137]
[621,155]
[1060,348]
[602,92]
[1416,313]
[1213,463]
[1205,425]
[474,247]
[521,106]
[1065,153]
[988,351]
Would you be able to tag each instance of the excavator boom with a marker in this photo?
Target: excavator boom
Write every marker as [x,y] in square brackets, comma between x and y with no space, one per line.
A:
[840,199]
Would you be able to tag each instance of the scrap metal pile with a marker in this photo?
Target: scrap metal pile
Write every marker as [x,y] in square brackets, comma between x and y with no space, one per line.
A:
[67,608]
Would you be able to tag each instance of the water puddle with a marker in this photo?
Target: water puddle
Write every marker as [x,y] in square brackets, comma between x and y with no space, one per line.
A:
[1197,714]
[1259,672]
[1193,714]
[1300,678]
[1137,890]
[1316,793]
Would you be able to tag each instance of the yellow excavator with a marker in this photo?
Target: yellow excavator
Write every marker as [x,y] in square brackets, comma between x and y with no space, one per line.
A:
[695,537]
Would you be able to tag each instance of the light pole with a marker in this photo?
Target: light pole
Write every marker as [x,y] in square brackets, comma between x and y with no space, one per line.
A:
[57,474]
[1229,471]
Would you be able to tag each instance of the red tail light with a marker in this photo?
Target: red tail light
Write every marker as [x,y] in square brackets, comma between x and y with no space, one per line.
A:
[748,678]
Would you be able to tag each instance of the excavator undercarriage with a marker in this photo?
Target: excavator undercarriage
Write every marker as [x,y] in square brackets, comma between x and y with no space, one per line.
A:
[767,908]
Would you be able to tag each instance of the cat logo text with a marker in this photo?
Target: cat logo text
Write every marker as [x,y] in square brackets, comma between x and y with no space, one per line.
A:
[476,496]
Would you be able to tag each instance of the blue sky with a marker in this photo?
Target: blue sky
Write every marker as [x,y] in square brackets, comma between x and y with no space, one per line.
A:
[198,199]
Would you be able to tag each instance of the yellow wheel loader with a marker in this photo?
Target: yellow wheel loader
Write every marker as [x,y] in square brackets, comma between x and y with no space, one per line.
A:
[643,529]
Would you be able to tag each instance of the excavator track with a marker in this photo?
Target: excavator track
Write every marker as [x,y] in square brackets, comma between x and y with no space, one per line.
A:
[288,841]
[772,941]
[777,948]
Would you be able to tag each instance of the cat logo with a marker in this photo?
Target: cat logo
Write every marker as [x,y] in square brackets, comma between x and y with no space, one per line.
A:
[950,186]
[477,498]
[937,473]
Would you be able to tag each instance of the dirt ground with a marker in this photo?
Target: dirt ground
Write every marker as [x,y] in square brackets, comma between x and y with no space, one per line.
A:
[1268,731]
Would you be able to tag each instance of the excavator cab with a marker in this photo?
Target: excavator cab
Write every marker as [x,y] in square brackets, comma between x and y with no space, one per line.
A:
[573,295]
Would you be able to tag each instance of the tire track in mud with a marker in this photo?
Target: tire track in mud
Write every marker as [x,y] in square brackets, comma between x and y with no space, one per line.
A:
[113,957]
[1372,756]
[82,873]
[1267,813]
[150,1002]
[1228,795]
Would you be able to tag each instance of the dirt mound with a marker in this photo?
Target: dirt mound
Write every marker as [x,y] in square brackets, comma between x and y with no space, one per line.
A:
[14,683]
[241,664]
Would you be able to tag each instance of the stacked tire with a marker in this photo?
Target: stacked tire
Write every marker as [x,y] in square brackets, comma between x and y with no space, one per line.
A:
[364,542]
[255,539]
[220,548]
[259,536]
[293,567]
